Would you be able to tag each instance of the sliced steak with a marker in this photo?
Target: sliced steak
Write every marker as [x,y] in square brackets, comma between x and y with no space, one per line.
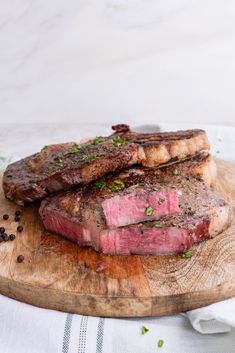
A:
[81,216]
[170,236]
[139,204]
[62,166]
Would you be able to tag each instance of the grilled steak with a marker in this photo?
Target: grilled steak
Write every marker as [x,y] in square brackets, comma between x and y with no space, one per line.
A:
[137,204]
[158,148]
[59,167]
[188,212]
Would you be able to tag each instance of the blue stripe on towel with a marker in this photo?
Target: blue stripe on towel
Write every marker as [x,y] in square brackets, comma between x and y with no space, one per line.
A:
[67,331]
[82,335]
[100,336]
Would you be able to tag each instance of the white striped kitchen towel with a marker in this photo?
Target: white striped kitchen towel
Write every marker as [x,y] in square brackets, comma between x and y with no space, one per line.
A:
[27,329]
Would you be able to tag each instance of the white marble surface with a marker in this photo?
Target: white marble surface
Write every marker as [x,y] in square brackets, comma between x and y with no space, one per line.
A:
[114,60]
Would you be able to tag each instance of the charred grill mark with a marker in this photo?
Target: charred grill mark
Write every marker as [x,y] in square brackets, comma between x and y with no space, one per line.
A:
[60,167]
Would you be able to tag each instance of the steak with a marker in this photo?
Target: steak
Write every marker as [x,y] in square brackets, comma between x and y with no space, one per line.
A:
[139,204]
[62,166]
[158,148]
[188,212]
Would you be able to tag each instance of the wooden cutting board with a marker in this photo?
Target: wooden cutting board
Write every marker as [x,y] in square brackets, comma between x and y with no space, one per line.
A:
[57,274]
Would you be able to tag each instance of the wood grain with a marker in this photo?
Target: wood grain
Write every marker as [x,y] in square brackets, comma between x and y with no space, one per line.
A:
[57,274]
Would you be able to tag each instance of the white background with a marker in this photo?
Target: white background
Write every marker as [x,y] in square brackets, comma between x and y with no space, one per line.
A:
[115,60]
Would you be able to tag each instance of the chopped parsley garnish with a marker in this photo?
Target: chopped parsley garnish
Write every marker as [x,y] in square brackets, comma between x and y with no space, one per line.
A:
[90,157]
[97,140]
[149,211]
[173,224]
[114,188]
[99,184]
[118,140]
[186,255]
[45,147]
[59,162]
[161,201]
[175,172]
[160,343]
[191,213]
[158,225]
[144,330]
[74,149]
[156,189]
[141,183]
[118,182]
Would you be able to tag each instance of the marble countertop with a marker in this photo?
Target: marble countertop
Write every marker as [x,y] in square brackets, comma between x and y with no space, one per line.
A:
[114,61]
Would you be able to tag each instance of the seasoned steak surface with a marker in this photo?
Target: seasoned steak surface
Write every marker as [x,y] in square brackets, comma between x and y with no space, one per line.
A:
[79,215]
[59,167]
[62,166]
[161,147]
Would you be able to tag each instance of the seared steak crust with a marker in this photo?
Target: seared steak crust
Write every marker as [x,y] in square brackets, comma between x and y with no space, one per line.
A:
[59,167]
[78,215]
[161,147]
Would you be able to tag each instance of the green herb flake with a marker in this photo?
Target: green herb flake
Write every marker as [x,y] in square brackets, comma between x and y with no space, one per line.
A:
[191,213]
[90,157]
[160,343]
[144,330]
[118,140]
[176,172]
[97,140]
[186,255]
[141,184]
[173,224]
[149,211]
[119,182]
[59,162]
[75,149]
[161,201]
[114,188]
[45,147]
[158,225]
[156,189]
[99,185]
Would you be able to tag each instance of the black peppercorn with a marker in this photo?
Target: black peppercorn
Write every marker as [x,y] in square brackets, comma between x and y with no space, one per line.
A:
[20,258]
[17,213]
[5,237]
[2,230]
[5,217]
[12,236]
[1,239]
[17,218]
[191,213]
[20,229]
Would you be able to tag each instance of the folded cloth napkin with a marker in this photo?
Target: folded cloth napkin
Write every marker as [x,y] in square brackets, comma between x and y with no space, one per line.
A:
[214,318]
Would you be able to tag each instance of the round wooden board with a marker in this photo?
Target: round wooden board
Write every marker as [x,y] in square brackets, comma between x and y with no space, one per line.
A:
[57,274]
